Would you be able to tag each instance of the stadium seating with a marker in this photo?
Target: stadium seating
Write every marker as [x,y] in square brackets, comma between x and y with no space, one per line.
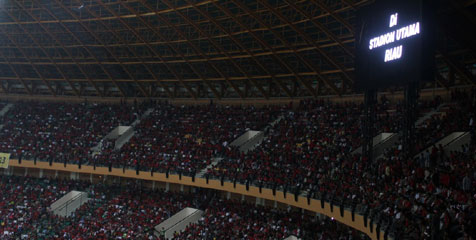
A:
[301,144]
[60,131]
[311,152]
[229,219]
[308,151]
[24,203]
[131,212]
[185,138]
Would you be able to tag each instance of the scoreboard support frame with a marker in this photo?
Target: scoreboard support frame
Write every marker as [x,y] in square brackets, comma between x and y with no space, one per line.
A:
[370,102]
[411,109]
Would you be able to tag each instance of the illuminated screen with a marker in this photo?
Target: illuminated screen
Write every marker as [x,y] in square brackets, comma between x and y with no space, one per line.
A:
[394,43]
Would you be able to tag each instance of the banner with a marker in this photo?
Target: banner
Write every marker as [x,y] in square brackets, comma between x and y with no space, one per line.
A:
[4,160]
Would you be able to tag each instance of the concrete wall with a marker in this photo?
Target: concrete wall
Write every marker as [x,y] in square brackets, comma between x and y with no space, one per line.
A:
[377,140]
[178,222]
[5,109]
[253,142]
[66,205]
[456,144]
[448,140]
[244,138]
[118,131]
[126,133]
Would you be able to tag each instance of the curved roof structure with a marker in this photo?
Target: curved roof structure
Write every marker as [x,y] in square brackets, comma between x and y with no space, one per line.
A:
[198,48]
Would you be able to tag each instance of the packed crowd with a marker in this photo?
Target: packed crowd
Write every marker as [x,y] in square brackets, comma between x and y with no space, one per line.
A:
[24,205]
[132,212]
[60,132]
[296,149]
[225,219]
[451,118]
[186,138]
[420,195]
[310,151]
[128,214]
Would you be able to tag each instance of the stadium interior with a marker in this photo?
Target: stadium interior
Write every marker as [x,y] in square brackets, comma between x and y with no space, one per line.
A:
[236,119]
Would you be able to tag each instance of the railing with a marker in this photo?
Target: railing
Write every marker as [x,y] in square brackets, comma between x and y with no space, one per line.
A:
[359,217]
[456,143]
[252,142]
[369,214]
[66,204]
[386,143]
[121,139]
[172,229]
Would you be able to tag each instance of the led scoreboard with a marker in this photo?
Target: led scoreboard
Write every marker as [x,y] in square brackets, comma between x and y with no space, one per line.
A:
[394,43]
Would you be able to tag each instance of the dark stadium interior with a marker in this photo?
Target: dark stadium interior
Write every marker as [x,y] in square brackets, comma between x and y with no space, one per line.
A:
[237,119]
[201,49]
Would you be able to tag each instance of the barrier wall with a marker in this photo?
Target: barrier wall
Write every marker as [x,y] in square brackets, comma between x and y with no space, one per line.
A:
[66,205]
[456,144]
[245,137]
[117,132]
[302,202]
[446,141]
[380,138]
[178,222]
[124,137]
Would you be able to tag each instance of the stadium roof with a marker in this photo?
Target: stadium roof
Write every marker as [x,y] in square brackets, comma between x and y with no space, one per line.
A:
[200,48]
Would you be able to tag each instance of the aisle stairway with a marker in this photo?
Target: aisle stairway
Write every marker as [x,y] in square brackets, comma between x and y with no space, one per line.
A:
[68,204]
[452,142]
[437,111]
[178,222]
[121,134]
[214,162]
[4,111]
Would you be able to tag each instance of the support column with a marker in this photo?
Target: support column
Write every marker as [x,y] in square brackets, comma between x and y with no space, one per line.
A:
[8,171]
[368,130]
[259,201]
[411,97]
[74,176]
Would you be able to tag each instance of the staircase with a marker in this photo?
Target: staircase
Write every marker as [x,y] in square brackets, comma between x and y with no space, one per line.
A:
[177,223]
[246,142]
[68,204]
[245,137]
[452,142]
[456,144]
[214,162]
[252,139]
[429,115]
[146,114]
[5,109]
[253,142]
[121,134]
[380,143]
